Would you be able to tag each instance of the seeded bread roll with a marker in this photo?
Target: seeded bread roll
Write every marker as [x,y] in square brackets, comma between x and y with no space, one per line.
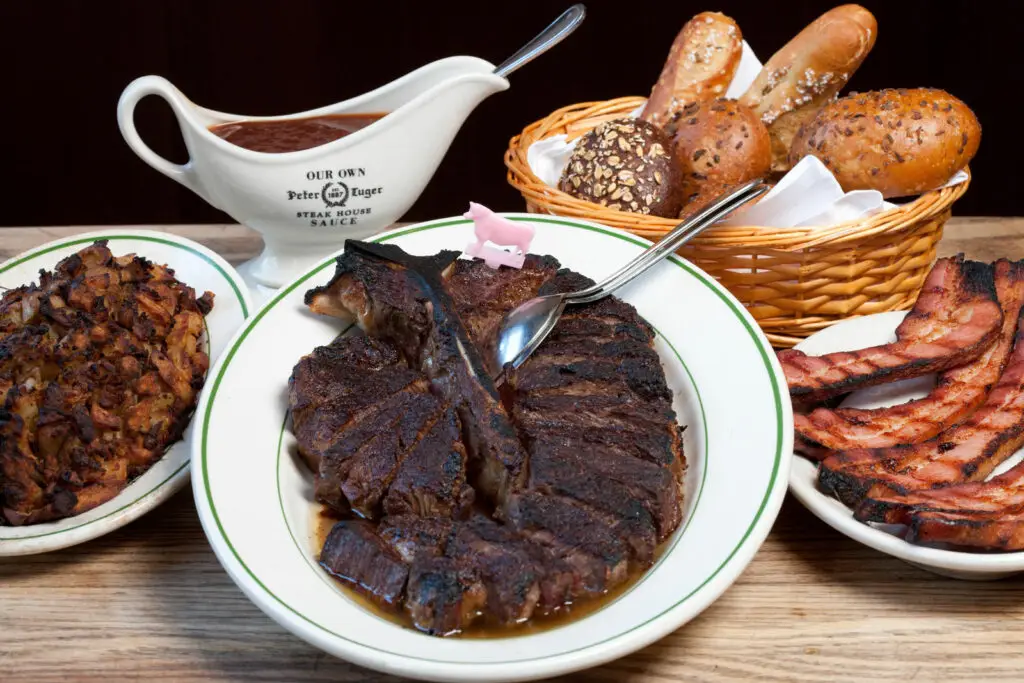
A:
[700,66]
[628,165]
[899,142]
[719,144]
[808,72]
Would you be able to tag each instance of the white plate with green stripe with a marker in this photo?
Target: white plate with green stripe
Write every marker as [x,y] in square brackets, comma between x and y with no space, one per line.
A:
[255,497]
[196,266]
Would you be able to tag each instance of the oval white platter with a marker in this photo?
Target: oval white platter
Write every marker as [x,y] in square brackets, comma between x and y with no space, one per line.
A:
[255,497]
[859,333]
[201,269]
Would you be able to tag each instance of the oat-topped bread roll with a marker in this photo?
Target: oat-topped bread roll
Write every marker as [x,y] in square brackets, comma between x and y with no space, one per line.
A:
[719,144]
[700,66]
[625,164]
[899,142]
[809,72]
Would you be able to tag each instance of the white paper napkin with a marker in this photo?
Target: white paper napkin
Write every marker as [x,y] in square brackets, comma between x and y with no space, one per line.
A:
[807,196]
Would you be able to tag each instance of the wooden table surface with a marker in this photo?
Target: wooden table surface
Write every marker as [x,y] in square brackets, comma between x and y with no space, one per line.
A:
[150,601]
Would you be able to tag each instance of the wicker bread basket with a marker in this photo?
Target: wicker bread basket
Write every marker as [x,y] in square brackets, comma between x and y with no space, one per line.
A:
[794,281]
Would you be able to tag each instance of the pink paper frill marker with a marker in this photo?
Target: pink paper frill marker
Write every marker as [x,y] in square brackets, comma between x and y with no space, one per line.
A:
[490,227]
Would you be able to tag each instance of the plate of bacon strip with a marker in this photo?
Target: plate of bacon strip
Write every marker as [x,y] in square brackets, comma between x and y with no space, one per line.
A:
[911,424]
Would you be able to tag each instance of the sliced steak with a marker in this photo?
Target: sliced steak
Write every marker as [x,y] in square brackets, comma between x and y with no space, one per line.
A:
[597,380]
[508,573]
[596,553]
[552,473]
[443,596]
[358,557]
[431,479]
[653,486]
[414,537]
[363,457]
[484,295]
[555,577]
[338,384]
[402,299]
[583,470]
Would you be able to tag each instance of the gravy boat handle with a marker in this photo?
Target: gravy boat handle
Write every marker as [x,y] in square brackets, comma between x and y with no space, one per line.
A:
[136,90]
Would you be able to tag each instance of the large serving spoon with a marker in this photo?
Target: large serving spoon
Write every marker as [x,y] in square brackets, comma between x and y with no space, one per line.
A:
[558,31]
[525,327]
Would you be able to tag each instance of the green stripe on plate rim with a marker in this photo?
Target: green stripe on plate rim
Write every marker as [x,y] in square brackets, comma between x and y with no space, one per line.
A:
[145,238]
[677,536]
[284,292]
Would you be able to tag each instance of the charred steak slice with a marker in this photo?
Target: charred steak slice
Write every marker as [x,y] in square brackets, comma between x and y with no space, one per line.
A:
[363,458]
[955,319]
[338,384]
[359,410]
[957,393]
[597,554]
[555,578]
[627,487]
[363,413]
[402,299]
[443,596]
[431,479]
[598,380]
[356,555]
[484,295]
[509,575]
[414,537]
[655,487]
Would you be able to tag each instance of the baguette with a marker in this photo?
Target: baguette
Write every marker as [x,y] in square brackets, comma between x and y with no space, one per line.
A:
[809,72]
[700,66]
[899,142]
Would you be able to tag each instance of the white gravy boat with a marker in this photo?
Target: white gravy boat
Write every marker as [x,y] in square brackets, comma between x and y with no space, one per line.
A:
[307,203]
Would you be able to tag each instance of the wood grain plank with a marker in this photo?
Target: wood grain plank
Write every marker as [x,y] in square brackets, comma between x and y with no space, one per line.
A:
[151,602]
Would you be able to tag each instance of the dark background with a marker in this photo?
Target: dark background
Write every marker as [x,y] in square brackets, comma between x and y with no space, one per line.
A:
[65,64]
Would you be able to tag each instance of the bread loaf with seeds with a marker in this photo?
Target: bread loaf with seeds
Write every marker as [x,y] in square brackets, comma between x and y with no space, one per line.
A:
[808,72]
[625,164]
[701,64]
[899,142]
[719,144]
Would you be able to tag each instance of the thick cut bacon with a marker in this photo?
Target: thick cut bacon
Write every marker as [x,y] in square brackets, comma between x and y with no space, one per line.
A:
[999,493]
[956,318]
[957,393]
[967,452]
[997,531]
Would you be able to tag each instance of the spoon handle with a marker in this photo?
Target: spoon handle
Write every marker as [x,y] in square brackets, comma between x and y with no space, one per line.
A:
[559,29]
[679,236]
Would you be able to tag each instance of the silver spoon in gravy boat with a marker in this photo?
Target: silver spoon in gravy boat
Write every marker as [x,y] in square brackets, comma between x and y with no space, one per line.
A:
[529,324]
[558,31]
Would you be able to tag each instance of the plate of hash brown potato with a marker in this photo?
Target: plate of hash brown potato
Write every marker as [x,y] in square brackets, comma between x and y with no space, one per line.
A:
[105,342]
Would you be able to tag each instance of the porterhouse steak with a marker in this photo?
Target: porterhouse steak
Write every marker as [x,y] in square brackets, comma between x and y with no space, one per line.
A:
[491,507]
